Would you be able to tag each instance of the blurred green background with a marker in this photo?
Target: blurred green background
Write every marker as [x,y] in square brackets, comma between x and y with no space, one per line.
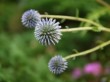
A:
[23,59]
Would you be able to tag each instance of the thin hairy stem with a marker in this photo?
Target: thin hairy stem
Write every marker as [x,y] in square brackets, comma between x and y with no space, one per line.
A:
[83,29]
[105,29]
[103,3]
[88,51]
[102,28]
[71,18]
[76,29]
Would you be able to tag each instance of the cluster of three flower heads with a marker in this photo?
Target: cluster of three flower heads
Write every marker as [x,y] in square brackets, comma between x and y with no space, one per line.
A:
[47,32]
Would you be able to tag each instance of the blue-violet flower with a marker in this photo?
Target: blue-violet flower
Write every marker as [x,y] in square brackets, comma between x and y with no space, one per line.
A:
[57,64]
[47,32]
[30,18]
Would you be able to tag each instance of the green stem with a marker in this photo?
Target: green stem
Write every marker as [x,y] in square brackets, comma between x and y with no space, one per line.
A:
[75,29]
[71,18]
[77,19]
[83,28]
[79,29]
[88,51]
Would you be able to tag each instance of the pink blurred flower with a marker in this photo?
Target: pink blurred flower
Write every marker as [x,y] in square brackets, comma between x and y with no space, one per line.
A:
[93,68]
[77,73]
[107,70]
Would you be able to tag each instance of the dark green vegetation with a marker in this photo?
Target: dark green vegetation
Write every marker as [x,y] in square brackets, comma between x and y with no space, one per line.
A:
[23,59]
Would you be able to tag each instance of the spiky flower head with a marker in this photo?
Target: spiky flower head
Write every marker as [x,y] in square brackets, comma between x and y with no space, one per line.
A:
[57,64]
[47,32]
[30,18]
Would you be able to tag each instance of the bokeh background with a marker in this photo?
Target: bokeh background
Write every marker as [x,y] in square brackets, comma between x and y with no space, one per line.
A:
[23,59]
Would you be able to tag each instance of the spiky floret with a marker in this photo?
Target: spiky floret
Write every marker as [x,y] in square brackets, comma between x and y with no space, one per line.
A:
[30,18]
[47,32]
[57,64]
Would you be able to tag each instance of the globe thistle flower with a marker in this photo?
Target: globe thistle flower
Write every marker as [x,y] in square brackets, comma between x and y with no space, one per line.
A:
[57,64]
[30,18]
[47,32]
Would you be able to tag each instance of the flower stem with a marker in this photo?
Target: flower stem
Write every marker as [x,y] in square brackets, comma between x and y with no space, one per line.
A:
[103,3]
[71,18]
[77,19]
[75,29]
[88,51]
[83,29]
[105,29]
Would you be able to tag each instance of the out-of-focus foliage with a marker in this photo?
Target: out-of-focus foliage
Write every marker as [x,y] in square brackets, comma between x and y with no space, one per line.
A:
[23,59]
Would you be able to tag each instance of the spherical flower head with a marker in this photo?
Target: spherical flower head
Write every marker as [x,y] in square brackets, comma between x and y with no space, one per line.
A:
[47,32]
[57,64]
[77,73]
[93,68]
[30,18]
